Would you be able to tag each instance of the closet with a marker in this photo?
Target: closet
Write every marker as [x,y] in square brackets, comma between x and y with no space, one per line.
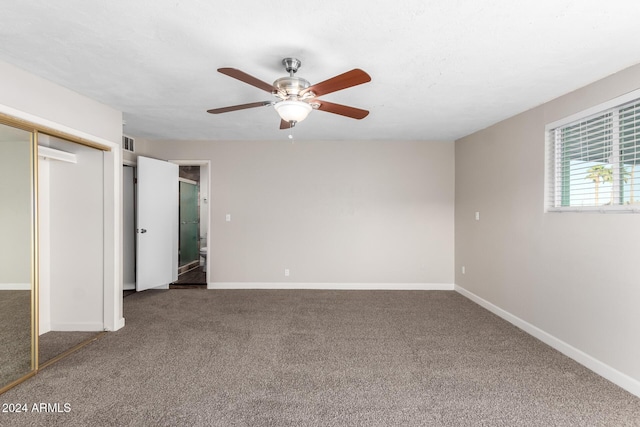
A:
[52,247]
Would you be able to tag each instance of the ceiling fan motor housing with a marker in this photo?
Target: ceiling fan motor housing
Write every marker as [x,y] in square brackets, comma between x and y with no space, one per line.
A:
[292,86]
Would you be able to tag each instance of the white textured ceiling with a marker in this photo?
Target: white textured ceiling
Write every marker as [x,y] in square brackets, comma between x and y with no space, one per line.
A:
[440,69]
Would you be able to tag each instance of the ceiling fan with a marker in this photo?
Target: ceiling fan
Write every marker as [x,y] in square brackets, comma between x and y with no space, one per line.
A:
[296,97]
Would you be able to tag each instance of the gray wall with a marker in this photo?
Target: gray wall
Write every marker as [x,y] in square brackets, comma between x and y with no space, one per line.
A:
[574,276]
[62,108]
[331,212]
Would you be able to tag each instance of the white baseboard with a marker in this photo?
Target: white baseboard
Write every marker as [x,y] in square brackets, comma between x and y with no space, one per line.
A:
[15,286]
[77,327]
[119,325]
[622,380]
[43,329]
[334,286]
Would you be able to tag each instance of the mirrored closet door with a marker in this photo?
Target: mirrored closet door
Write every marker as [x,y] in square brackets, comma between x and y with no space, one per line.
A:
[18,272]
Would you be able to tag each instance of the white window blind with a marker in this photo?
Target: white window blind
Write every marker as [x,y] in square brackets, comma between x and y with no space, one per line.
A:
[594,162]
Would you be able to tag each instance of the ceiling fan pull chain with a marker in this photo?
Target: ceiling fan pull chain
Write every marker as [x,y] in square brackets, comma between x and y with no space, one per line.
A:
[292,124]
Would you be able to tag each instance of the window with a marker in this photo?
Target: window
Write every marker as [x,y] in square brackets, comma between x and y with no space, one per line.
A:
[594,159]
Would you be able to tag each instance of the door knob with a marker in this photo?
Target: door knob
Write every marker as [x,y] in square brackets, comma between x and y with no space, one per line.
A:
[142,230]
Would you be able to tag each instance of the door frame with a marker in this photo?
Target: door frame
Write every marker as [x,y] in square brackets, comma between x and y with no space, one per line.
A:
[206,195]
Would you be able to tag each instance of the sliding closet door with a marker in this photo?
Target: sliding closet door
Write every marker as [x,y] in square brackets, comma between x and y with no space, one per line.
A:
[17,256]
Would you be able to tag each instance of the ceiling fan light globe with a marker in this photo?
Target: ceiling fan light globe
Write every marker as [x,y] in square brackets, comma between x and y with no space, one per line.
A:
[293,111]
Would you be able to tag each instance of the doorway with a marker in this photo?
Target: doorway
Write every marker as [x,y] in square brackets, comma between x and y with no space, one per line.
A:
[129,228]
[192,250]
[192,223]
[189,217]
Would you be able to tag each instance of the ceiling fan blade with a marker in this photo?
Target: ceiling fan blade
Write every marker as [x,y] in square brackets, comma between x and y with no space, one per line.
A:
[343,110]
[239,107]
[284,124]
[244,77]
[350,78]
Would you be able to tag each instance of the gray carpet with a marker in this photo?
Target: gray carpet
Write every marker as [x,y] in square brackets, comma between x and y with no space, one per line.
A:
[54,343]
[15,335]
[318,358]
[195,276]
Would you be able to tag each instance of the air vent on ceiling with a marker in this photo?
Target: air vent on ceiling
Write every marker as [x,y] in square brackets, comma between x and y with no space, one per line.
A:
[127,143]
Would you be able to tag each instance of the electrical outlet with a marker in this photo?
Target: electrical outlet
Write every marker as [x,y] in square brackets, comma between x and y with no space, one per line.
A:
[464,270]
[477,216]
[286,272]
[227,217]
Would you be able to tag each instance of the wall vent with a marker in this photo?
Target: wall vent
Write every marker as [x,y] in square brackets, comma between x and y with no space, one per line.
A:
[127,143]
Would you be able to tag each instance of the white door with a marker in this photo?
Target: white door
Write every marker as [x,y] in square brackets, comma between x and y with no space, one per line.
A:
[157,224]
